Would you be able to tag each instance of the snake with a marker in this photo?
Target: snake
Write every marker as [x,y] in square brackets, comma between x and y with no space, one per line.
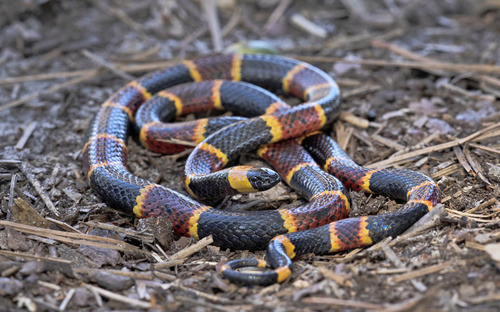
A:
[286,137]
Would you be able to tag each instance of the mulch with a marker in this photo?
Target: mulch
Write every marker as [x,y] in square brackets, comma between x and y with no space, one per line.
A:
[421,89]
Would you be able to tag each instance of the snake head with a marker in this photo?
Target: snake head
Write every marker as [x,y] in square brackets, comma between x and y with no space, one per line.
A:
[262,179]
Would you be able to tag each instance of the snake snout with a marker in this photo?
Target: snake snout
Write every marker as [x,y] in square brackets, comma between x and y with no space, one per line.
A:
[263,178]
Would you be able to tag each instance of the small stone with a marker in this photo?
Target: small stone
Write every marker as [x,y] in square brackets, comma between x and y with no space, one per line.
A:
[113,282]
[482,238]
[493,172]
[81,297]
[32,267]
[9,287]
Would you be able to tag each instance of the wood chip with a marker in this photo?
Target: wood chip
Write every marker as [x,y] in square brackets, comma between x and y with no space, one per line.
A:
[421,272]
[124,299]
[188,251]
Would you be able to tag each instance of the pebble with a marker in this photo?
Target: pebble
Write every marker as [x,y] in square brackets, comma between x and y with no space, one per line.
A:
[113,282]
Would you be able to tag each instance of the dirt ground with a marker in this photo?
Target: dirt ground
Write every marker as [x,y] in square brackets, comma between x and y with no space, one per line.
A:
[420,81]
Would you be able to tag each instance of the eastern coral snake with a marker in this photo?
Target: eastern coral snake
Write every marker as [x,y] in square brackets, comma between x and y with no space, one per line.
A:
[286,137]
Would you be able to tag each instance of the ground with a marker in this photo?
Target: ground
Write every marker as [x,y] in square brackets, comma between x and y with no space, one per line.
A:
[420,87]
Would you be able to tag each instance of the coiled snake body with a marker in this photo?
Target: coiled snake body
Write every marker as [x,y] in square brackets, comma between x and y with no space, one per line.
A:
[313,227]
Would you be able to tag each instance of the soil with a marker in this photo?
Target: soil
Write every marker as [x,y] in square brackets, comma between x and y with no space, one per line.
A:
[435,84]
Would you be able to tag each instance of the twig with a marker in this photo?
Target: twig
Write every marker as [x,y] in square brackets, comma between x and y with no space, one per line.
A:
[388,142]
[54,88]
[136,275]
[486,132]
[484,148]
[213,23]
[31,177]
[129,232]
[476,167]
[13,181]
[202,294]
[488,203]
[46,76]
[339,279]
[186,252]
[361,91]
[446,171]
[122,16]
[99,60]
[461,159]
[66,300]
[277,14]
[67,237]
[26,135]
[456,68]
[124,299]
[168,264]
[64,225]
[421,272]
[486,298]
[306,25]
[28,256]
[233,21]
[391,255]
[211,306]
[343,303]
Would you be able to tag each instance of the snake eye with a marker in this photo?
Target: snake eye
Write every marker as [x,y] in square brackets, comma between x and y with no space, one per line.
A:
[262,178]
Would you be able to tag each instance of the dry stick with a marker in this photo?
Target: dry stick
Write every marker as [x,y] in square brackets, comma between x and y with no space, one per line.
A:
[54,88]
[137,275]
[488,203]
[421,272]
[477,135]
[122,16]
[131,233]
[232,23]
[387,142]
[186,41]
[84,77]
[361,90]
[168,264]
[461,159]
[213,23]
[47,76]
[202,294]
[99,60]
[13,181]
[306,25]
[26,135]
[186,252]
[277,14]
[124,299]
[66,300]
[27,256]
[83,239]
[343,303]
[337,278]
[485,148]
[354,120]
[475,165]
[31,177]
[89,72]
[457,68]
[207,304]
[391,255]
[436,64]
[64,225]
